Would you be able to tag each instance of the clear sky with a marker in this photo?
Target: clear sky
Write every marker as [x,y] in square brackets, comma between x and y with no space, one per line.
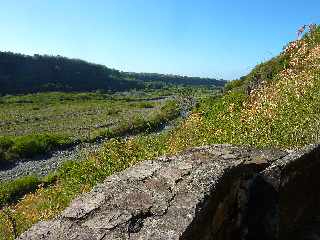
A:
[222,39]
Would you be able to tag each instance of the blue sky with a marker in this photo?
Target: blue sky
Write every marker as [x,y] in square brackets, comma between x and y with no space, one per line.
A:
[222,39]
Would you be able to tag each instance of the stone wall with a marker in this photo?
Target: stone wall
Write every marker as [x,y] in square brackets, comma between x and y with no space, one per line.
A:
[215,192]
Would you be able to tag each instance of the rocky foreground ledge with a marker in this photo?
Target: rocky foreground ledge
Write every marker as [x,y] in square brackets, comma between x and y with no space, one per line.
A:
[214,192]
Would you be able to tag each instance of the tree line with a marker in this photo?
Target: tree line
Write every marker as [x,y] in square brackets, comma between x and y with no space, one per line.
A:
[21,73]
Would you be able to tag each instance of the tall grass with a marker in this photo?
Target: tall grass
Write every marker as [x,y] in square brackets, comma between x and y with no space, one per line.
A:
[140,123]
[12,148]
[13,190]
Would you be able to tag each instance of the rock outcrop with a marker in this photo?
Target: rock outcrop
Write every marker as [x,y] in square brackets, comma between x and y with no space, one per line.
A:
[215,192]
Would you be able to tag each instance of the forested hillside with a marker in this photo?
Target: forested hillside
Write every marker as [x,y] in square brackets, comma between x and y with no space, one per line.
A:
[158,80]
[22,74]
[27,74]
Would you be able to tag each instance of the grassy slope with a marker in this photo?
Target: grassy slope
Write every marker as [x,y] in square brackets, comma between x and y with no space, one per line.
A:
[281,111]
[284,110]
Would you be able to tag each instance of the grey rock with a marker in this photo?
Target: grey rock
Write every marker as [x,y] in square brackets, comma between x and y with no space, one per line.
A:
[159,199]
[220,192]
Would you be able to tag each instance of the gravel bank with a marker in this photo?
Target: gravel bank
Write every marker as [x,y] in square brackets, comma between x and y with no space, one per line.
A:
[41,166]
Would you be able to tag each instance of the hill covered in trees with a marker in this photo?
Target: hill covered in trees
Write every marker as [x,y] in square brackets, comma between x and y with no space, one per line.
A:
[24,74]
[157,80]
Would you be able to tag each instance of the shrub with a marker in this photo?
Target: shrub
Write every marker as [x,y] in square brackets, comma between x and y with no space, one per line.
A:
[5,144]
[146,105]
[113,111]
[13,190]
[234,84]
[170,110]
[13,148]
[264,72]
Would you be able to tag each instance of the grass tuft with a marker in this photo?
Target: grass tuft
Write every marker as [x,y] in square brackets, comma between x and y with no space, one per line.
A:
[13,148]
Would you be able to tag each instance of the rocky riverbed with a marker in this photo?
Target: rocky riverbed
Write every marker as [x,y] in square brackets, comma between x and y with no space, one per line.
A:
[42,165]
[45,164]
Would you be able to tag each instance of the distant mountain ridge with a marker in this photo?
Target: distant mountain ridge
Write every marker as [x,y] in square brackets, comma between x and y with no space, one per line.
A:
[26,74]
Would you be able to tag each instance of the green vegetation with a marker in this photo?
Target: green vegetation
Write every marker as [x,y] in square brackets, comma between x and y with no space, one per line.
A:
[147,124]
[25,74]
[262,73]
[39,123]
[154,80]
[281,110]
[12,148]
[145,105]
[74,115]
[13,190]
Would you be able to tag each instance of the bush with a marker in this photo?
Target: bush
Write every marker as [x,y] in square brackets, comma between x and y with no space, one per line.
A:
[113,111]
[169,111]
[146,105]
[5,144]
[234,84]
[264,72]
[13,148]
[11,191]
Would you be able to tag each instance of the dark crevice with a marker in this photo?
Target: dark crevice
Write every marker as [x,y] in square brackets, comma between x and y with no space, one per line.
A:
[262,215]
[220,215]
[135,224]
